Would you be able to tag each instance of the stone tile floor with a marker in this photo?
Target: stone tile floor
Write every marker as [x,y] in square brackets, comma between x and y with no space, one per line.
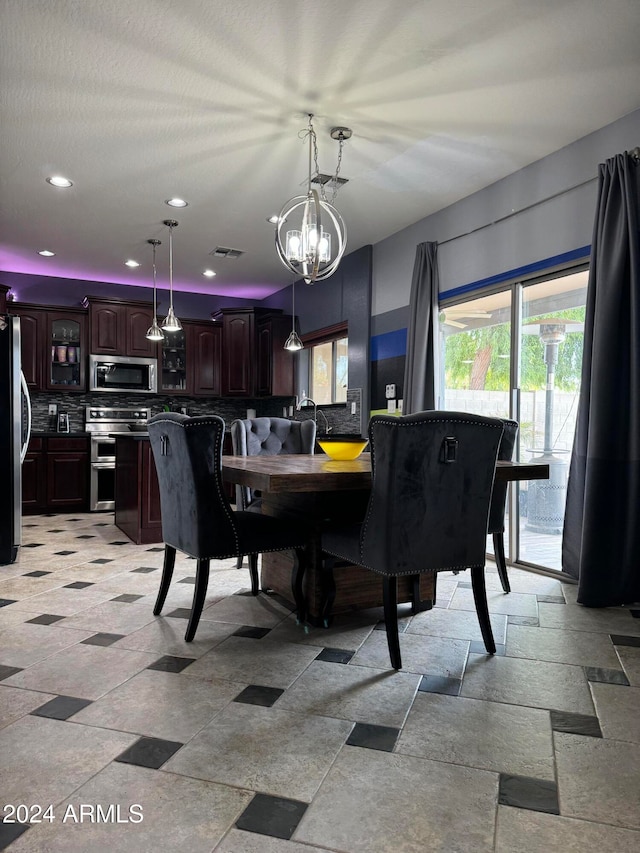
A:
[116,735]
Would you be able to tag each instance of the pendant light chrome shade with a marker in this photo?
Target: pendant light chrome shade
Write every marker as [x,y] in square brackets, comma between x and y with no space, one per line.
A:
[171,322]
[154,332]
[314,248]
[293,342]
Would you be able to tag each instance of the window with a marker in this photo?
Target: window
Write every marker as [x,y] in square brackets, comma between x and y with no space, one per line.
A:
[328,364]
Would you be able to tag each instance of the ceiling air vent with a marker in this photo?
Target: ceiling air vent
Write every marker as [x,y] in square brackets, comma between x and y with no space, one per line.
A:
[225,252]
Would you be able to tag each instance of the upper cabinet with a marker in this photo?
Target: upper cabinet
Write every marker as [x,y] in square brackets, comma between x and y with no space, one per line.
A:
[254,361]
[191,360]
[53,347]
[120,328]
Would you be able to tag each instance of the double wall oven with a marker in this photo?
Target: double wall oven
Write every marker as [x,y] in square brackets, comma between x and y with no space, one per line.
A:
[102,424]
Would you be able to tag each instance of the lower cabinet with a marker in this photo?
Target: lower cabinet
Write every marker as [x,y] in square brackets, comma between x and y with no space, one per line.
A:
[55,475]
[137,494]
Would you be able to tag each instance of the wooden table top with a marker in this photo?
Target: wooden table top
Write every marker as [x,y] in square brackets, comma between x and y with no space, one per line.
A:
[318,473]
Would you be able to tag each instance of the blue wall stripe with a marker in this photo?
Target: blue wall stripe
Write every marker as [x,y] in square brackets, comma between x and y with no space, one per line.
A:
[576,254]
[389,345]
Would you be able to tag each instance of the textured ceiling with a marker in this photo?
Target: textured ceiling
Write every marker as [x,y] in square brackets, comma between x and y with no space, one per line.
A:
[137,101]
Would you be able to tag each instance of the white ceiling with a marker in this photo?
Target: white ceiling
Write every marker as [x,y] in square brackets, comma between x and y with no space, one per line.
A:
[137,101]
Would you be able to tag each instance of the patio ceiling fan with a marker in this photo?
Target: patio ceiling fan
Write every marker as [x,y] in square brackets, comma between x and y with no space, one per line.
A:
[452,316]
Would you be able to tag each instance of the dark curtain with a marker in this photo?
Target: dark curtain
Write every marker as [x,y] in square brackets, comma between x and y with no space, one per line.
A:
[420,370]
[601,544]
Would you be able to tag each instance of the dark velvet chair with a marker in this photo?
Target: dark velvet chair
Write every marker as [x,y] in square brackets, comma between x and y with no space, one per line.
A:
[197,517]
[499,501]
[428,511]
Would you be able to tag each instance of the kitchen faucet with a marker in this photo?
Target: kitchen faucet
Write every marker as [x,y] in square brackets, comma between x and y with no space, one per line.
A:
[304,399]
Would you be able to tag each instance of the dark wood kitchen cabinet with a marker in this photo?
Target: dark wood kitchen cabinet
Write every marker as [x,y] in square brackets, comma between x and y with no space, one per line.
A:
[137,493]
[120,328]
[55,475]
[53,347]
[191,360]
[254,362]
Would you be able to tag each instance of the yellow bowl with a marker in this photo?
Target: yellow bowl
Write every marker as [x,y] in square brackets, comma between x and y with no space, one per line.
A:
[343,449]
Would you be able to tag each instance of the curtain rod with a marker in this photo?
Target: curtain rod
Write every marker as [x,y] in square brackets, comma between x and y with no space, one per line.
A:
[523,209]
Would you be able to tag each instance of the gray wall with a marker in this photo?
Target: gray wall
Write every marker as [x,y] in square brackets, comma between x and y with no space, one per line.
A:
[554,219]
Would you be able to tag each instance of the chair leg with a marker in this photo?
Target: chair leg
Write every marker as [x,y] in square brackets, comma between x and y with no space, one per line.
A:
[328,590]
[253,571]
[297,575]
[418,605]
[167,574]
[501,563]
[390,601]
[239,562]
[482,608]
[199,595]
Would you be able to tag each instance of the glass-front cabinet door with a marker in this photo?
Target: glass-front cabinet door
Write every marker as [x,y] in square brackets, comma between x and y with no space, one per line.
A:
[66,352]
[173,369]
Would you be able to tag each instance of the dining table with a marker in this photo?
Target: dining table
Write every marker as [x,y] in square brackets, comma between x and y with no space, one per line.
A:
[315,491]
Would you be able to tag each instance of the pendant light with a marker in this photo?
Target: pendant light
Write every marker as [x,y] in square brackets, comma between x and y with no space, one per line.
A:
[154,332]
[293,342]
[307,248]
[171,322]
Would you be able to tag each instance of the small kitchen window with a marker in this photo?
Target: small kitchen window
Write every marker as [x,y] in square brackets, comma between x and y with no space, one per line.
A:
[328,364]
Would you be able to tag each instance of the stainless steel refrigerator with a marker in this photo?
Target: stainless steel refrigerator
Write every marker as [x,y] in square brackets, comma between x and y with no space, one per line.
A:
[15,429]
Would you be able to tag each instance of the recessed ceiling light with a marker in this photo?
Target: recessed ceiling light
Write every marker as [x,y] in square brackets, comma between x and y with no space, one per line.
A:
[209,273]
[273,219]
[177,202]
[131,264]
[59,181]
[47,254]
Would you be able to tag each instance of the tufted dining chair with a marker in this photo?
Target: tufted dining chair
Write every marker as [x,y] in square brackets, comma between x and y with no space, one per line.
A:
[432,478]
[499,501]
[197,517]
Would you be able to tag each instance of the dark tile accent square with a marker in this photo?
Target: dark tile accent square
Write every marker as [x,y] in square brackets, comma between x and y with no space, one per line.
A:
[5,602]
[635,613]
[78,585]
[120,542]
[606,676]
[149,752]
[538,795]
[101,524]
[45,619]
[61,708]
[551,599]
[127,597]
[53,514]
[102,639]
[36,574]
[180,613]
[86,536]
[252,632]
[33,545]
[155,549]
[440,684]
[335,655]
[143,570]
[476,647]
[273,816]
[187,580]
[10,831]
[623,640]
[100,561]
[29,525]
[64,553]
[373,737]
[530,621]
[169,663]
[575,724]
[6,671]
[56,530]
[256,694]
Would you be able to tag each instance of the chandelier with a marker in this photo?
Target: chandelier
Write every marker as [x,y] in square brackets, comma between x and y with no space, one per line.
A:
[307,250]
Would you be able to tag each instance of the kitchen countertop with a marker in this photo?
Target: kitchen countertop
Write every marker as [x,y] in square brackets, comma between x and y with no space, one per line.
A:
[52,433]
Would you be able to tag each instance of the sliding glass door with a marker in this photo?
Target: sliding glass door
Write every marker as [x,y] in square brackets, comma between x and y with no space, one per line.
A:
[517,352]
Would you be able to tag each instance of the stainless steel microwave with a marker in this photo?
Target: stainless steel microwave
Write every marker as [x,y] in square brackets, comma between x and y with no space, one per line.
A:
[123,373]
